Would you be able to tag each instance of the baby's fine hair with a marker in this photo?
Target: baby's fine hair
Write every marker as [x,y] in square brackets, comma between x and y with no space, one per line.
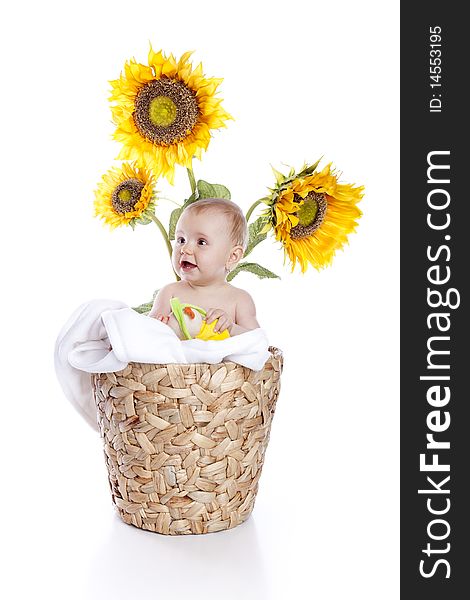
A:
[238,226]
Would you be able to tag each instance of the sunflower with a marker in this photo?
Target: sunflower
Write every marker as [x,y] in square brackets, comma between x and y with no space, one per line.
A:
[312,215]
[164,111]
[125,196]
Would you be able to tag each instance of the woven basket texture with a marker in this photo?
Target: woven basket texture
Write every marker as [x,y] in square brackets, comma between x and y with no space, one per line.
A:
[185,444]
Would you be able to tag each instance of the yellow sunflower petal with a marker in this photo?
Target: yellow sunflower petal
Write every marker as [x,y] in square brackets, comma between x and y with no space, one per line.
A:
[124,194]
[313,216]
[146,128]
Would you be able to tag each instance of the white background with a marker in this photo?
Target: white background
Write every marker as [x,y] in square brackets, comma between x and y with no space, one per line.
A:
[302,79]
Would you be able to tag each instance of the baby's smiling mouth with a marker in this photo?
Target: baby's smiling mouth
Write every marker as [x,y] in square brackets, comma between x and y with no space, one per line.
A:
[186,265]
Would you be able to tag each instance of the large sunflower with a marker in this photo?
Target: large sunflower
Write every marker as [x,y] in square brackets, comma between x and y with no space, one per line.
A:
[164,111]
[125,196]
[312,215]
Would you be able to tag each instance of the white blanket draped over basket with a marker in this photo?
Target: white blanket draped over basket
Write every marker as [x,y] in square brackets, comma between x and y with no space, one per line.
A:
[103,336]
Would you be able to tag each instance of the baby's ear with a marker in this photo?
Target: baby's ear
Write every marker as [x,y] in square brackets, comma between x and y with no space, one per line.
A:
[235,255]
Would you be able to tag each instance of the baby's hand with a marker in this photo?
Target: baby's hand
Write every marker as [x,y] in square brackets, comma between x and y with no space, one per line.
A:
[162,318]
[224,321]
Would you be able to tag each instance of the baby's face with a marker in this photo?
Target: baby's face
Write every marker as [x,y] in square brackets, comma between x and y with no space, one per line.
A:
[202,247]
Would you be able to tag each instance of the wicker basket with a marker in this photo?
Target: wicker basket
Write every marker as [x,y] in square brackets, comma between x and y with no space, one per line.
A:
[185,444]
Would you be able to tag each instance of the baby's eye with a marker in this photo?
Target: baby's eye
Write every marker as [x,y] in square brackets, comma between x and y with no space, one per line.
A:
[202,242]
[180,240]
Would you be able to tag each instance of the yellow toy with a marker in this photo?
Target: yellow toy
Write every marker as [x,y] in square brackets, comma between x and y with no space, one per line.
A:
[190,319]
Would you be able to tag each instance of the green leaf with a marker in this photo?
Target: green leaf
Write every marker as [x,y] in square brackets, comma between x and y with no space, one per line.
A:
[143,308]
[175,215]
[286,181]
[255,268]
[278,175]
[194,196]
[142,220]
[146,306]
[212,190]
[254,234]
[309,170]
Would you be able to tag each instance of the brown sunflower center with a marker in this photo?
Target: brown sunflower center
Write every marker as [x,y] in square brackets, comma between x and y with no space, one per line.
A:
[311,214]
[166,111]
[126,195]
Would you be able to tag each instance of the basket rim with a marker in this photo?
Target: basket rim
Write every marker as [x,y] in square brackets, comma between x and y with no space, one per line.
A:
[276,354]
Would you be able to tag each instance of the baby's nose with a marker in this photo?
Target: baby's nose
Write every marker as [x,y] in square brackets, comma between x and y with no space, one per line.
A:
[186,248]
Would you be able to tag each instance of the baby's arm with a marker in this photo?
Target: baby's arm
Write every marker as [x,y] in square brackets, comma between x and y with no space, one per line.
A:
[245,315]
[161,308]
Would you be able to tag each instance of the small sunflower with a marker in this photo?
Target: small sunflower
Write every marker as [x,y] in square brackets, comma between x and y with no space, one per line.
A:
[312,214]
[164,111]
[125,196]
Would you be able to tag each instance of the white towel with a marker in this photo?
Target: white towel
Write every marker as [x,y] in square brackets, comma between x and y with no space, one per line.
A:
[103,336]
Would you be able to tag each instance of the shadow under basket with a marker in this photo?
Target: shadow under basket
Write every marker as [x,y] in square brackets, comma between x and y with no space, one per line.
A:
[184,444]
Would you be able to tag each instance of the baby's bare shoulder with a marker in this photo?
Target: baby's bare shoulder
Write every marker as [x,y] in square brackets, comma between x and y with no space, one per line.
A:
[245,310]
[241,297]
[167,290]
[171,289]
[163,297]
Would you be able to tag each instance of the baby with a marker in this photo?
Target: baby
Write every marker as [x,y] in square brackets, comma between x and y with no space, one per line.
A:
[210,239]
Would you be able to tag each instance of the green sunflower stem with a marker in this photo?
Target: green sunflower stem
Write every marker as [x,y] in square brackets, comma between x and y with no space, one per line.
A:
[192,179]
[251,209]
[165,236]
